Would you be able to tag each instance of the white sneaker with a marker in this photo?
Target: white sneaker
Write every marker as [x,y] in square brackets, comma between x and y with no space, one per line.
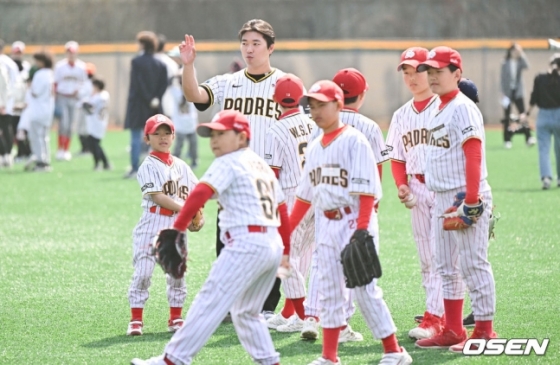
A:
[507,145]
[158,360]
[348,335]
[431,325]
[8,160]
[310,330]
[60,155]
[531,142]
[67,156]
[267,315]
[276,320]
[173,325]
[323,361]
[295,324]
[134,328]
[396,358]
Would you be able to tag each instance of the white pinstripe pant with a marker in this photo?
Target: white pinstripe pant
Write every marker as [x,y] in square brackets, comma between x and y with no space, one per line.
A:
[423,232]
[239,281]
[333,294]
[462,257]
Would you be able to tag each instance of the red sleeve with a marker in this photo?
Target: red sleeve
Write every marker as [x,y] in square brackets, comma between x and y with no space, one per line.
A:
[380,170]
[399,173]
[284,228]
[300,208]
[276,172]
[366,206]
[196,200]
[473,155]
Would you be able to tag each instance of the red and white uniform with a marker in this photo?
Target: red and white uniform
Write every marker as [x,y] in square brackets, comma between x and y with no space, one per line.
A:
[334,177]
[406,143]
[242,276]
[461,255]
[286,142]
[176,181]
[241,92]
[69,79]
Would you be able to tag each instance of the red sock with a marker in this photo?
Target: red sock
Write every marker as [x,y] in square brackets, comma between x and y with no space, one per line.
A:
[298,306]
[390,344]
[167,361]
[136,314]
[175,312]
[484,327]
[288,309]
[454,315]
[66,143]
[330,343]
[59,142]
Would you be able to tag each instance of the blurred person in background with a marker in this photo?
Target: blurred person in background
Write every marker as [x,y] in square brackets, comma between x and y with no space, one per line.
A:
[19,90]
[97,118]
[185,117]
[172,67]
[546,95]
[40,111]
[70,75]
[11,71]
[148,82]
[85,93]
[511,82]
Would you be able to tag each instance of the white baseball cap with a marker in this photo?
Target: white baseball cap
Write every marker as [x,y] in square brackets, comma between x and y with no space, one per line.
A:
[72,46]
[18,46]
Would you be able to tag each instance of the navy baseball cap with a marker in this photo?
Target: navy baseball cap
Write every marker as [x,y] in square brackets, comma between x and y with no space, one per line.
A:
[468,88]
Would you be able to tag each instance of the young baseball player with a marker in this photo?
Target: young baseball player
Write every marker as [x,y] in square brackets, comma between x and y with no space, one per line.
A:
[248,91]
[406,141]
[69,76]
[97,118]
[284,152]
[254,224]
[455,163]
[86,91]
[165,182]
[339,181]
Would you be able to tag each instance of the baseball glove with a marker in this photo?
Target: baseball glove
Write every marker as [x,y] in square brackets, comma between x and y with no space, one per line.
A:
[170,250]
[460,215]
[197,222]
[360,262]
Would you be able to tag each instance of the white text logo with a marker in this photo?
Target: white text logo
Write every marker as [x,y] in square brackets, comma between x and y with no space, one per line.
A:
[498,346]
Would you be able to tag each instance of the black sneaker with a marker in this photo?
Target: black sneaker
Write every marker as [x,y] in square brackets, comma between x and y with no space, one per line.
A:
[468,321]
[418,319]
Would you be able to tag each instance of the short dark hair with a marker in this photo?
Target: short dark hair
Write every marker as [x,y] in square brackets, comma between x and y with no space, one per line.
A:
[148,40]
[453,68]
[351,100]
[259,26]
[98,83]
[161,42]
[44,57]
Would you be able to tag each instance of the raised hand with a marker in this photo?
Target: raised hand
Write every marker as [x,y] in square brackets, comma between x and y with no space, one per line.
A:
[188,50]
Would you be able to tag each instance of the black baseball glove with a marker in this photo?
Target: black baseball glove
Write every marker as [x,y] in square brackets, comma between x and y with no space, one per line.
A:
[359,260]
[170,250]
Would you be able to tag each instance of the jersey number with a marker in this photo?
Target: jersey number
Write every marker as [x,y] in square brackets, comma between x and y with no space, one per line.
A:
[301,149]
[265,190]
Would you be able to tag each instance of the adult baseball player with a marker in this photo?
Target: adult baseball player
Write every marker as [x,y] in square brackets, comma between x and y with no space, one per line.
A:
[406,142]
[248,91]
[455,169]
[69,76]
[339,181]
[354,85]
[284,151]
[165,182]
[254,224]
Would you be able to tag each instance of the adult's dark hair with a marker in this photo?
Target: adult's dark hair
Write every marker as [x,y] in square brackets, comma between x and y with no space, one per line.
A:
[98,83]
[45,58]
[351,100]
[555,64]
[509,50]
[161,42]
[148,40]
[259,26]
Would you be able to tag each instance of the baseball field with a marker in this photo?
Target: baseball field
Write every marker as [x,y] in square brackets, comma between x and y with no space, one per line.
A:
[66,263]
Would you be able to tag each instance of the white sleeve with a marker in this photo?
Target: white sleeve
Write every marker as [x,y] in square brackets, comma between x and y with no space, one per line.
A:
[305,190]
[380,150]
[215,88]
[468,122]
[273,150]
[40,85]
[362,180]
[280,198]
[395,150]
[220,175]
[191,177]
[150,180]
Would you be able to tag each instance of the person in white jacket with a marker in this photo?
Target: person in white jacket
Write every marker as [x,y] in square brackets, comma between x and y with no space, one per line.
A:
[39,112]
[185,117]
[6,132]
[97,119]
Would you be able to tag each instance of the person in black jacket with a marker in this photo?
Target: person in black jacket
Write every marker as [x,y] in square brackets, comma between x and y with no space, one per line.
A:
[148,82]
[546,95]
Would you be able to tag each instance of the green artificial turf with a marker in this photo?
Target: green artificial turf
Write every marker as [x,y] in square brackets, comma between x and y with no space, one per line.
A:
[66,263]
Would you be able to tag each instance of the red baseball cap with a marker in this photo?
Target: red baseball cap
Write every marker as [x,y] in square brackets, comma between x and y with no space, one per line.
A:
[288,90]
[153,123]
[226,120]
[324,90]
[351,81]
[413,57]
[441,57]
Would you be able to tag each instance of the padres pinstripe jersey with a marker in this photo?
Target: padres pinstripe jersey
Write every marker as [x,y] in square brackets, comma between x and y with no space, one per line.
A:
[69,79]
[286,142]
[334,175]
[154,176]
[246,188]
[369,129]
[448,130]
[408,135]
[253,98]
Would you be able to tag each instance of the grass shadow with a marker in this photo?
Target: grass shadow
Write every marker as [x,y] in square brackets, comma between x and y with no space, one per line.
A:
[120,339]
